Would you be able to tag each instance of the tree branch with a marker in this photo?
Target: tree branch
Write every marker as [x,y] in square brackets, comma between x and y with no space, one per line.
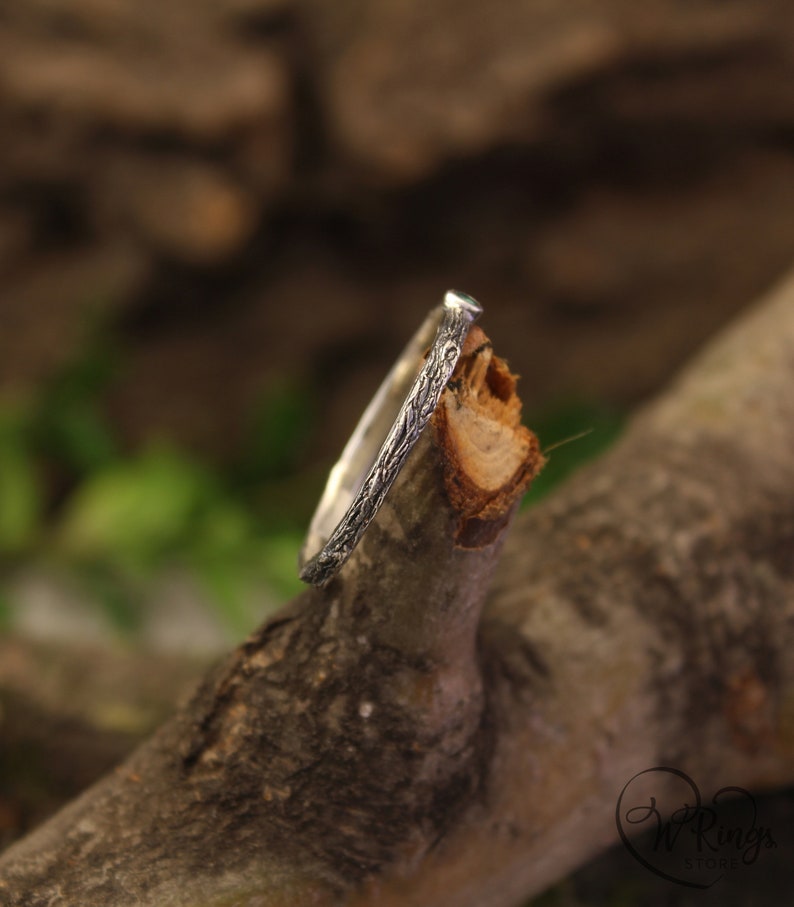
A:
[62,726]
[361,749]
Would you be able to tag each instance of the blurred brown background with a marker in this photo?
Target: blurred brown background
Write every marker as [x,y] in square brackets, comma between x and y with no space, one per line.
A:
[220,220]
[257,189]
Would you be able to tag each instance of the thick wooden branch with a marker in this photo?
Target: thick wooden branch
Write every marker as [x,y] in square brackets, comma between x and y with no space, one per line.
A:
[643,616]
[366,747]
[62,726]
[348,732]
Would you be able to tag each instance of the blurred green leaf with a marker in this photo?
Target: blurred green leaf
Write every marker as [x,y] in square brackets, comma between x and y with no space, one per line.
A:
[5,611]
[233,554]
[225,529]
[228,585]
[115,591]
[280,563]
[67,422]
[77,435]
[20,492]
[578,431]
[137,511]
[278,430]
[116,519]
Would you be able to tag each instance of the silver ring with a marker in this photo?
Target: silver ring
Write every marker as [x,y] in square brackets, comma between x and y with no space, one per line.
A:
[401,408]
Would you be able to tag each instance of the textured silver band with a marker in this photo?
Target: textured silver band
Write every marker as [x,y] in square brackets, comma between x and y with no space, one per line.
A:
[401,408]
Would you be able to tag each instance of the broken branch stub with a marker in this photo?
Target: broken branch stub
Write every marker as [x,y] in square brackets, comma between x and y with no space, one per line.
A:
[340,741]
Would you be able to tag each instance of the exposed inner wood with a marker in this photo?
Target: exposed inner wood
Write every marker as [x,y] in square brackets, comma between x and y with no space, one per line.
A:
[489,457]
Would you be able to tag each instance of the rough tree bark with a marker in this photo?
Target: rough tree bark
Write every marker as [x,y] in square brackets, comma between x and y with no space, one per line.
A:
[63,727]
[366,747]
